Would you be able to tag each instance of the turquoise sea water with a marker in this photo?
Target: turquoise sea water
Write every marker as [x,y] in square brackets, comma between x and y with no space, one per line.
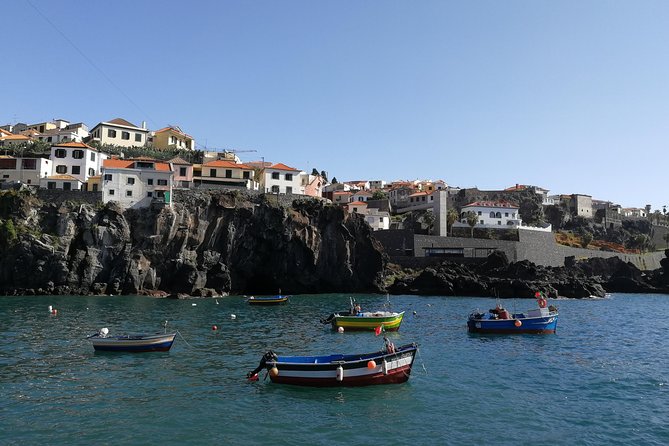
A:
[602,379]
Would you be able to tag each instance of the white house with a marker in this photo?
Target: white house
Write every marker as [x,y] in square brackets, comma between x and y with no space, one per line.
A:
[77,159]
[137,183]
[69,132]
[64,182]
[376,219]
[361,195]
[376,184]
[281,179]
[121,133]
[492,213]
[25,170]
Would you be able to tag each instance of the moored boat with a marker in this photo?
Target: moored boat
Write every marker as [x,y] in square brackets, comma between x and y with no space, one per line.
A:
[356,319]
[267,300]
[388,366]
[499,320]
[135,343]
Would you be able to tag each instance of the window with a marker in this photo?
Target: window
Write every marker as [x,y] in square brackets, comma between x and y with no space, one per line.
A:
[162,182]
[149,194]
[275,175]
[78,154]
[8,163]
[498,215]
[95,187]
[67,186]
[131,181]
[138,137]
[5,176]
[506,214]
[61,169]
[128,193]
[479,212]
[275,189]
[289,190]
[91,172]
[111,191]
[125,135]
[49,139]
[92,156]
[499,222]
[482,222]
[289,177]
[76,170]
[108,177]
[111,133]
[228,173]
[492,214]
[51,185]
[212,172]
[149,181]
[246,175]
[182,171]
[61,153]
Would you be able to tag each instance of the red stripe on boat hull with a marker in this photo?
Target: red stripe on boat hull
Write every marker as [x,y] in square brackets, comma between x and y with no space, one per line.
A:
[397,376]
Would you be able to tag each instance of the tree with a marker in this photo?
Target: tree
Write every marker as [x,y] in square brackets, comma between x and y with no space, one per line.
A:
[334,180]
[451,217]
[7,233]
[314,172]
[586,238]
[324,174]
[472,219]
[379,195]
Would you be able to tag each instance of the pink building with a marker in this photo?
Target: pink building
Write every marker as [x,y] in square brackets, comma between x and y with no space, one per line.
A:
[183,173]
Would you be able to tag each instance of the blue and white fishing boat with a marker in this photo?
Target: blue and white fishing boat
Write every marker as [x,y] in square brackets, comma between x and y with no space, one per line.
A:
[498,320]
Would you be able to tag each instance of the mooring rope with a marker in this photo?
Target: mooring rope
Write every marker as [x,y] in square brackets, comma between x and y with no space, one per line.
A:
[184,339]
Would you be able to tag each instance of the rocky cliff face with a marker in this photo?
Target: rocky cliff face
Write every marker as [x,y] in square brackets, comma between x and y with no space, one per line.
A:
[210,243]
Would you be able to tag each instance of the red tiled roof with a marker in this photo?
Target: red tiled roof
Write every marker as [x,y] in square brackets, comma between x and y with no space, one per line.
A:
[114,163]
[225,163]
[78,145]
[180,161]
[280,166]
[339,192]
[15,138]
[492,204]
[175,130]
[418,194]
[357,203]
[121,121]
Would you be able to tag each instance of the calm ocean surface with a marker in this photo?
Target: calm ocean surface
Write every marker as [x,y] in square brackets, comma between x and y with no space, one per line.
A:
[602,379]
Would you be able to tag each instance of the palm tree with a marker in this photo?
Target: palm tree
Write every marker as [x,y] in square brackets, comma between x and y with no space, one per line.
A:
[472,219]
[451,217]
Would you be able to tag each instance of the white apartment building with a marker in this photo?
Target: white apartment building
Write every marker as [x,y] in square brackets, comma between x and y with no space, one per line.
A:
[25,170]
[281,179]
[120,132]
[76,159]
[137,183]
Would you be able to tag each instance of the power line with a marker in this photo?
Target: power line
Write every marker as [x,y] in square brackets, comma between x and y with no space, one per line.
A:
[90,61]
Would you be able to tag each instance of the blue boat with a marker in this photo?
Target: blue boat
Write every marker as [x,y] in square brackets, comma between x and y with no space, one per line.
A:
[135,343]
[267,300]
[498,320]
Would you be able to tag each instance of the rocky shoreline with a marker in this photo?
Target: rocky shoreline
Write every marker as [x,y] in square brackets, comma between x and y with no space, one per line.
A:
[215,243]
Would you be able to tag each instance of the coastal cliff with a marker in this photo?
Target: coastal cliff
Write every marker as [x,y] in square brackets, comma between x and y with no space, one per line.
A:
[210,243]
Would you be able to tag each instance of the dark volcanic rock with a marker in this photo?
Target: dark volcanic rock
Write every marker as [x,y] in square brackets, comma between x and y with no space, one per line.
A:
[212,243]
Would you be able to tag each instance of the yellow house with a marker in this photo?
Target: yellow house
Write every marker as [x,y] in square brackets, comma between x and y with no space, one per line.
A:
[172,138]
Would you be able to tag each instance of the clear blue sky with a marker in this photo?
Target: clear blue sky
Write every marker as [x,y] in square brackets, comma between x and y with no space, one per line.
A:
[572,96]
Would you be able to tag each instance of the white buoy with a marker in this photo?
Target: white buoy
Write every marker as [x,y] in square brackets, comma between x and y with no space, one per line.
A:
[216,301]
[104,332]
[195,305]
[50,308]
[340,373]
[233,316]
[340,329]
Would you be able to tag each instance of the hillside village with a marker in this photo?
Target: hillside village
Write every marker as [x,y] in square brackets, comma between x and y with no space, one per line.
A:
[109,159]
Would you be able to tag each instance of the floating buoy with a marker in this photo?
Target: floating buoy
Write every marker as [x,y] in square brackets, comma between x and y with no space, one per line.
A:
[414,312]
[340,373]
[50,308]
[371,364]
[216,301]
[273,372]
[54,312]
[195,305]
[233,316]
[254,377]
[518,323]
[340,329]
[214,327]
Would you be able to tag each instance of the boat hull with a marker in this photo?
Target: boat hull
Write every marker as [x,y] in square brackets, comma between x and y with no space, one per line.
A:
[134,344]
[268,300]
[390,368]
[368,323]
[536,325]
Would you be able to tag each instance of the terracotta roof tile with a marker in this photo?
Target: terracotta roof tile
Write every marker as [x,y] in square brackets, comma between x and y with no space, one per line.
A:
[180,161]
[121,121]
[225,163]
[78,145]
[281,166]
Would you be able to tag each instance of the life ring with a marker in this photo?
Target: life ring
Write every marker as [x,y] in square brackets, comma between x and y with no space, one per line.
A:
[542,303]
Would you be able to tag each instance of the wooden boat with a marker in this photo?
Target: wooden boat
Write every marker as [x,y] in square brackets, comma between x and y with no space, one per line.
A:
[356,319]
[498,320]
[388,366]
[158,342]
[268,300]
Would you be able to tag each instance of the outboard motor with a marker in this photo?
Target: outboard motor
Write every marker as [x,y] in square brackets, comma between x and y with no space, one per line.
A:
[269,356]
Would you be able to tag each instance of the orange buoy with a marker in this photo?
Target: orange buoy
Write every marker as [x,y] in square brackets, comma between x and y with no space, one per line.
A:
[273,372]
[371,364]
[518,323]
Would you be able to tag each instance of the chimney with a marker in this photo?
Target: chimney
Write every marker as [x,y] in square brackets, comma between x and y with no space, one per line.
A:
[144,125]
